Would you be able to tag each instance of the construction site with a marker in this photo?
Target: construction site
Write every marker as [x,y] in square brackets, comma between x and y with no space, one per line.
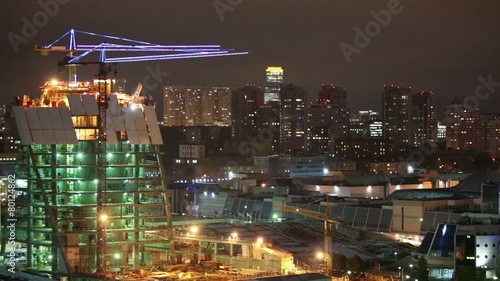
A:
[61,209]
[90,192]
[90,201]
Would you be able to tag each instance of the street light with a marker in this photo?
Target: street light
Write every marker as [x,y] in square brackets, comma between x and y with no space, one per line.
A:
[320,255]
[403,277]
[194,229]
[323,257]
[345,276]
[103,217]
[234,235]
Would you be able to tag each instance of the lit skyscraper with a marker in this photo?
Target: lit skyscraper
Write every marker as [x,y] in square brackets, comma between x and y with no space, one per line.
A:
[337,97]
[292,121]
[486,129]
[408,119]
[268,124]
[320,120]
[424,123]
[397,114]
[441,132]
[9,142]
[365,123]
[244,104]
[493,135]
[460,121]
[197,106]
[274,78]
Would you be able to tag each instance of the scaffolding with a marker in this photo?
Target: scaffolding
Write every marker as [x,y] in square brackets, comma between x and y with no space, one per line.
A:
[58,189]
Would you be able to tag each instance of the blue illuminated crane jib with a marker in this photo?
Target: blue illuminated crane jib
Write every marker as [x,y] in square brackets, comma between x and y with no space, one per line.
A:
[148,51]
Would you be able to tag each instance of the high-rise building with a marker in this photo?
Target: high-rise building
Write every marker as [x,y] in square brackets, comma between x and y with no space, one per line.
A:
[375,129]
[368,115]
[3,115]
[274,79]
[222,106]
[9,137]
[493,136]
[197,106]
[397,114]
[424,121]
[481,131]
[268,126]
[244,104]
[408,119]
[292,120]
[460,121]
[365,123]
[320,128]
[356,148]
[487,134]
[441,132]
[336,96]
[79,203]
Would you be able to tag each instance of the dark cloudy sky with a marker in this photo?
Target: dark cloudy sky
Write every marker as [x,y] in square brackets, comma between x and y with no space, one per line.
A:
[442,46]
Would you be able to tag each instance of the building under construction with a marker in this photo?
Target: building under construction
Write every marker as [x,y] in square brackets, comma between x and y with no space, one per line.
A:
[66,220]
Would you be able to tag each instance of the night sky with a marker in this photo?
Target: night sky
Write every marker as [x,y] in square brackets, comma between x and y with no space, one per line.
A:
[443,46]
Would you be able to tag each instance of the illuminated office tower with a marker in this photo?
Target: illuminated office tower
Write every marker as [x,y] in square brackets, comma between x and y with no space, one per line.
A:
[59,191]
[292,120]
[274,79]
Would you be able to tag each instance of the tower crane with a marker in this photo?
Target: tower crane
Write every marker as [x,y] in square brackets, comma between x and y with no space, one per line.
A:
[78,54]
[330,225]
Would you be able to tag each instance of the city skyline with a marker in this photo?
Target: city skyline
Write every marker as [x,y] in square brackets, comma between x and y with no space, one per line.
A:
[429,55]
[326,124]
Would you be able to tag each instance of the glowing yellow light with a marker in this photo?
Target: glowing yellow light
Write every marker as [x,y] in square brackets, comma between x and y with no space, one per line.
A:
[320,255]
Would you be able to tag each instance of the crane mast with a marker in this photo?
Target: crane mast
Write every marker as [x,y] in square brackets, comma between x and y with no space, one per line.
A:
[102,105]
[330,225]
